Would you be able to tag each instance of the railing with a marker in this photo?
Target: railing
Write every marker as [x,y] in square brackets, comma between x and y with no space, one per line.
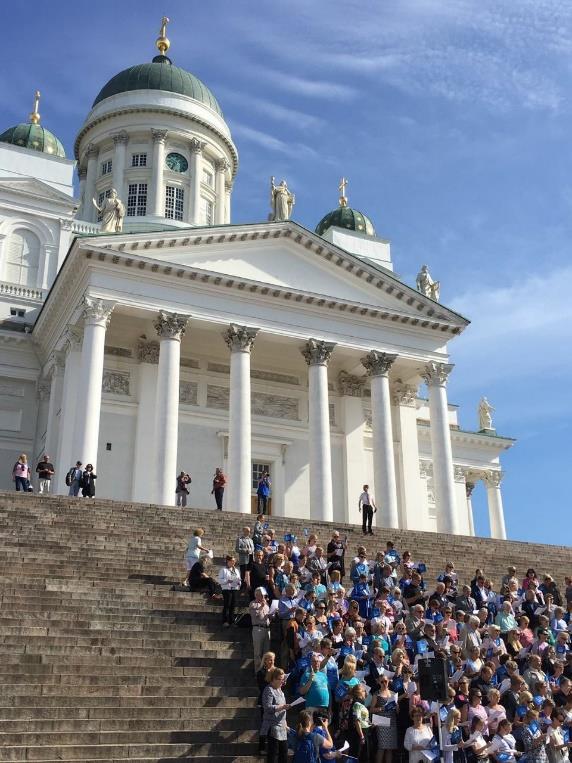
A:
[13,290]
[81,226]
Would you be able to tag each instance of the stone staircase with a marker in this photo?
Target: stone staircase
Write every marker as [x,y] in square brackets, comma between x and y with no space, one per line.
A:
[100,660]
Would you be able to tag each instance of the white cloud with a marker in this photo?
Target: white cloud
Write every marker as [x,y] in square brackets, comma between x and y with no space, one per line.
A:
[308,86]
[282,114]
[519,340]
[270,143]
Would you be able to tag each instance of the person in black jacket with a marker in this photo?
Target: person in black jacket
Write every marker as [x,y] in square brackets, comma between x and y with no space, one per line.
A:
[88,482]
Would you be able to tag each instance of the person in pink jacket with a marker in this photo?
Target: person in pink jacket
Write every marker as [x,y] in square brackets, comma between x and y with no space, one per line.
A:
[21,473]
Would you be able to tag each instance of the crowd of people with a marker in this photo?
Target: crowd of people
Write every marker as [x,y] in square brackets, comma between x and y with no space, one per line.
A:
[338,638]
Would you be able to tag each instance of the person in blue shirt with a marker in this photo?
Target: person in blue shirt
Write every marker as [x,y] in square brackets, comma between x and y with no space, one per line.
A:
[361,593]
[314,686]
[319,588]
[263,493]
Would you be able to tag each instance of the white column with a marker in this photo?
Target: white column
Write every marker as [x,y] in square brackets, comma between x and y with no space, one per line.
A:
[170,328]
[317,354]
[56,391]
[239,340]
[144,487]
[120,140]
[492,481]
[89,211]
[411,488]
[157,195]
[228,196]
[435,376]
[65,457]
[469,487]
[353,423]
[82,175]
[96,314]
[377,365]
[196,146]
[221,168]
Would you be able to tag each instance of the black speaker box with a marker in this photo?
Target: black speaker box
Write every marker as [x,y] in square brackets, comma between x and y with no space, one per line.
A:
[433,685]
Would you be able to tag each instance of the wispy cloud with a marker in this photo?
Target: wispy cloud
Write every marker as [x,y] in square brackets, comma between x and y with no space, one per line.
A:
[271,143]
[308,87]
[294,118]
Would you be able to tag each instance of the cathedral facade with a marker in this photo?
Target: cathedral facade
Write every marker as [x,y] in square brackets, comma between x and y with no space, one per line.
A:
[143,331]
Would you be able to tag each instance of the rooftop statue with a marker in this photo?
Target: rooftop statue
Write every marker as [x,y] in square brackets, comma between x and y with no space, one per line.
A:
[426,285]
[485,414]
[281,201]
[112,212]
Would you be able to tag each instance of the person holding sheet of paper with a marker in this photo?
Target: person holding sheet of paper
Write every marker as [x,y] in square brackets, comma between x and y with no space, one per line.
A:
[384,704]
[274,726]
[417,737]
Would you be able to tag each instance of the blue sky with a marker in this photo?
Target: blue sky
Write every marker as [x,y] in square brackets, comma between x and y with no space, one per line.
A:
[452,122]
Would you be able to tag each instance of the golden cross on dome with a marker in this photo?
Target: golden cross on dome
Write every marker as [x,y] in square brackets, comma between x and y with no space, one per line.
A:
[162,42]
[342,190]
[35,115]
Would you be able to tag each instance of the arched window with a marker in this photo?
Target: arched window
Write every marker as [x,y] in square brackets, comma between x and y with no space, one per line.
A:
[22,258]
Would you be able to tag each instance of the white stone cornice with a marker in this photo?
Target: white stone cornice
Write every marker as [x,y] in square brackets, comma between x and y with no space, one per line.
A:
[239,338]
[378,363]
[491,443]
[316,352]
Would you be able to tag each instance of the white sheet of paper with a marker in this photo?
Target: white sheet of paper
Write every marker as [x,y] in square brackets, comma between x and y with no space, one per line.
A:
[360,675]
[388,674]
[523,652]
[366,689]
[540,610]
[297,701]
[344,747]
[273,607]
[434,707]
[505,686]
[456,676]
[210,554]
[380,720]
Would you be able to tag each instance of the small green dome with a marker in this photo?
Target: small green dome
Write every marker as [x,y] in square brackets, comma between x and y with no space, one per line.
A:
[36,137]
[348,218]
[160,74]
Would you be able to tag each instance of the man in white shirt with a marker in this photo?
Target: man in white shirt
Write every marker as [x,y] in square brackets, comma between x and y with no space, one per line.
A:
[367,506]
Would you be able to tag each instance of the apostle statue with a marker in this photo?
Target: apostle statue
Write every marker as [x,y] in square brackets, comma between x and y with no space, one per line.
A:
[485,414]
[281,201]
[426,285]
[112,212]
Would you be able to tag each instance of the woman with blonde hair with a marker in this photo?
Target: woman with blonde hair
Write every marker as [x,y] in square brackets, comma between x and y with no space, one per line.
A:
[21,473]
[495,711]
[194,550]
[274,726]
[453,738]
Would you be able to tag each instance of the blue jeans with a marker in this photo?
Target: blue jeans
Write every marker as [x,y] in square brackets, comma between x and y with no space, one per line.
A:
[22,484]
[74,487]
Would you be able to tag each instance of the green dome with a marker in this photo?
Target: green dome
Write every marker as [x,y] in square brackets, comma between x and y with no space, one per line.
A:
[348,218]
[36,137]
[160,74]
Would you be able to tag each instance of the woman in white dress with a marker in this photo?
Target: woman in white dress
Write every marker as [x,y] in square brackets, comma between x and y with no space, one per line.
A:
[417,737]
[194,550]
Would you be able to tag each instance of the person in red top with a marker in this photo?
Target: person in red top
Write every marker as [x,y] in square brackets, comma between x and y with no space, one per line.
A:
[219,481]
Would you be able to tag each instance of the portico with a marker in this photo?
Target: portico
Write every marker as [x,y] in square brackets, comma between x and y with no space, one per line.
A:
[184,368]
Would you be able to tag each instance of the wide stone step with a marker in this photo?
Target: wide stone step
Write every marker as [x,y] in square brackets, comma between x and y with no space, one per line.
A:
[100,702]
[207,719]
[18,646]
[187,750]
[125,690]
[133,737]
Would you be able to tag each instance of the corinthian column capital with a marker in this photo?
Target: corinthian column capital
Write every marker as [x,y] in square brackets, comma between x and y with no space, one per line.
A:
[316,352]
[196,145]
[97,311]
[436,374]
[378,363]
[239,338]
[158,136]
[170,325]
[493,478]
[222,165]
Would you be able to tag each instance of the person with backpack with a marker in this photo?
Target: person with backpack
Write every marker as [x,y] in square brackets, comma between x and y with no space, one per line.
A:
[182,491]
[309,743]
[74,478]
[21,474]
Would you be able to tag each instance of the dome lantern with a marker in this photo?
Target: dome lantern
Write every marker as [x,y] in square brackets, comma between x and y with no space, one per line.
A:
[345,217]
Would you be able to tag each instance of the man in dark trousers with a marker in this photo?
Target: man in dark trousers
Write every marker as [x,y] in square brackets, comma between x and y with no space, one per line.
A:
[219,481]
[367,506]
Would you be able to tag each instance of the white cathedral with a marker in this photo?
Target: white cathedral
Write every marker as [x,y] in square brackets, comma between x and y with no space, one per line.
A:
[184,341]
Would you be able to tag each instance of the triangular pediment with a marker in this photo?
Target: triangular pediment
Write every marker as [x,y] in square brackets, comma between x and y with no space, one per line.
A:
[30,186]
[283,257]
